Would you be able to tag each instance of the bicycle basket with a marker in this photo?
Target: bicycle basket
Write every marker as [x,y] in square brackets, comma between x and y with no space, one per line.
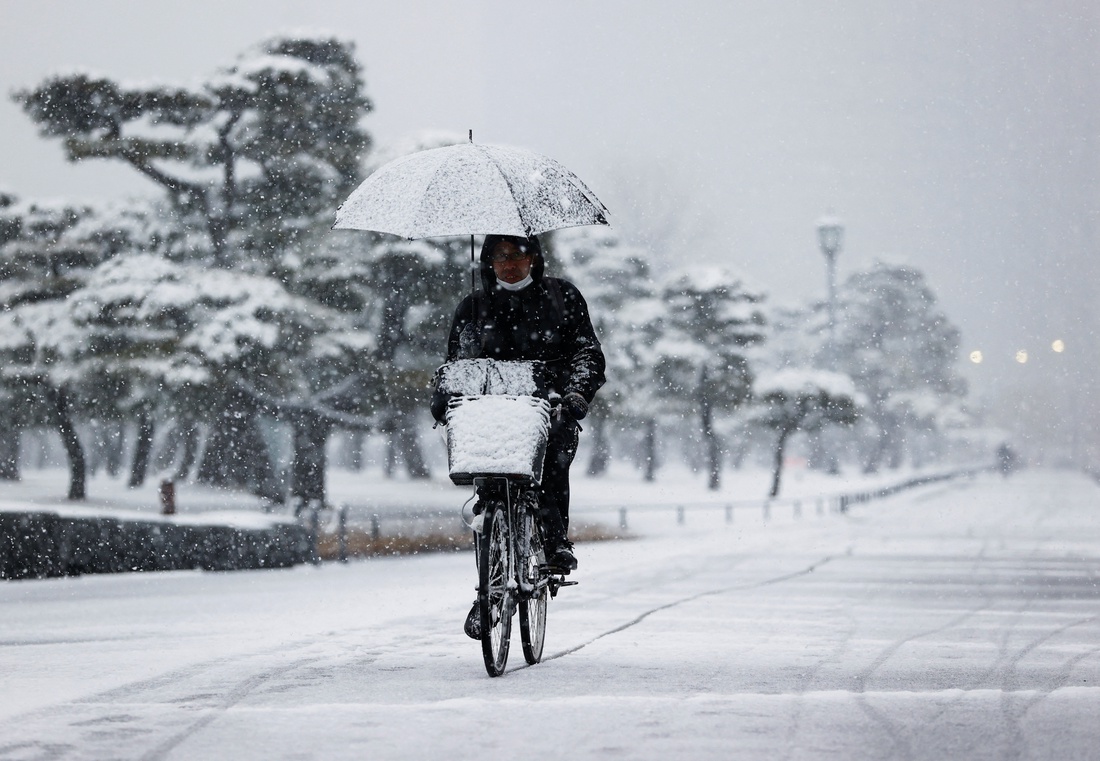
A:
[497,436]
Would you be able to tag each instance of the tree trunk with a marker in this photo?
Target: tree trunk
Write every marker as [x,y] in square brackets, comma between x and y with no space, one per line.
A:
[601,448]
[402,445]
[714,450]
[896,449]
[9,453]
[389,457]
[874,458]
[164,457]
[112,447]
[411,452]
[355,450]
[740,451]
[97,449]
[777,464]
[307,481]
[235,455]
[190,434]
[649,449]
[143,447]
[64,421]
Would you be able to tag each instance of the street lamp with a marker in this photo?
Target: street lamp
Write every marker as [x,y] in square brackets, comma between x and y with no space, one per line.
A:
[830,234]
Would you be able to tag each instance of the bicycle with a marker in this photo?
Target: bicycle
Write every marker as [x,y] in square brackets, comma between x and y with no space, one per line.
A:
[509,399]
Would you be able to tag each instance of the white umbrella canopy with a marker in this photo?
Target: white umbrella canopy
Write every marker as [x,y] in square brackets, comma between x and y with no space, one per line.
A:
[470,189]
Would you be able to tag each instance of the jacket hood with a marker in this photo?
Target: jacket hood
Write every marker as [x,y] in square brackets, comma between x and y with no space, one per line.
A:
[532,245]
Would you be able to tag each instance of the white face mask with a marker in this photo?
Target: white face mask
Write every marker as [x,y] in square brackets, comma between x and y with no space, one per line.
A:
[516,286]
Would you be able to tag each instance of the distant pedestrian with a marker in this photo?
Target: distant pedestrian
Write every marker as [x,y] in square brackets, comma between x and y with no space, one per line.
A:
[1006,459]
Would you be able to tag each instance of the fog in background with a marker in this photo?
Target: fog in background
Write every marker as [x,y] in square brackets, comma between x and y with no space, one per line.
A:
[960,137]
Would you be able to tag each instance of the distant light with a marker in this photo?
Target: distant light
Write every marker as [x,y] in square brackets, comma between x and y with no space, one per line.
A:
[1059,346]
[976,357]
[1021,356]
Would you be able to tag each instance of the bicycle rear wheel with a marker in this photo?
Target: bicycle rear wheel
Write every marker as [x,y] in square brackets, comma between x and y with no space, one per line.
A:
[494,595]
[532,608]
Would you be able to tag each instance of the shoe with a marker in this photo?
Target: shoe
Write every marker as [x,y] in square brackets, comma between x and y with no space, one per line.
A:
[472,627]
[562,557]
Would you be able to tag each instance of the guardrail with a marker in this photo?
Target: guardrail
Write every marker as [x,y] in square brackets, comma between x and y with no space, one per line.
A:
[767,507]
[408,524]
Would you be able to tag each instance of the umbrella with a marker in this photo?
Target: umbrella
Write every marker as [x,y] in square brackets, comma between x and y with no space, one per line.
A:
[470,189]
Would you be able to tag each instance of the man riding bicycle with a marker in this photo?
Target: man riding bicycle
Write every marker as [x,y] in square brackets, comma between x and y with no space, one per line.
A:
[522,315]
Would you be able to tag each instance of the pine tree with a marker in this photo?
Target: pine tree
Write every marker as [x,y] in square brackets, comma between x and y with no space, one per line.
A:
[252,155]
[790,400]
[617,284]
[901,351]
[255,157]
[701,364]
[45,255]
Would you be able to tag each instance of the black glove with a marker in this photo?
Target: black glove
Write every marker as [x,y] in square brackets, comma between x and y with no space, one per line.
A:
[439,405]
[575,405]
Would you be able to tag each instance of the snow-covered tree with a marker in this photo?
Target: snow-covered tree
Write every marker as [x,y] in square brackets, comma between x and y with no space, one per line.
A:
[46,253]
[252,155]
[181,335]
[701,366]
[617,284]
[253,158]
[793,400]
[401,292]
[901,351]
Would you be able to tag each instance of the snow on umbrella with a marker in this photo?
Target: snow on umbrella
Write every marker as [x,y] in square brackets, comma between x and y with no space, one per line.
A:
[470,189]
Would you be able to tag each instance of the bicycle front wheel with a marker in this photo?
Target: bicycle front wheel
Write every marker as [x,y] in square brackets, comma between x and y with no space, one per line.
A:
[494,593]
[532,607]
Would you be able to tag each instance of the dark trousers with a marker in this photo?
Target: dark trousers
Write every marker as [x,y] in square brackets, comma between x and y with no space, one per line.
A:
[561,448]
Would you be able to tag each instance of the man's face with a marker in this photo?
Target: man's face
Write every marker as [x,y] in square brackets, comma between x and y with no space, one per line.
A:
[509,263]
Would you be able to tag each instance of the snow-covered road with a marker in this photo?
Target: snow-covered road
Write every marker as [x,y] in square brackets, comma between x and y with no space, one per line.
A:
[955,621]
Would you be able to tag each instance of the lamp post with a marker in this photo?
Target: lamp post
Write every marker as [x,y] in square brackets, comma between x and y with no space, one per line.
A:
[830,234]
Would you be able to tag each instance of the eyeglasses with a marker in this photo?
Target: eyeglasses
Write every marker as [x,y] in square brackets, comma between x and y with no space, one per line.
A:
[499,256]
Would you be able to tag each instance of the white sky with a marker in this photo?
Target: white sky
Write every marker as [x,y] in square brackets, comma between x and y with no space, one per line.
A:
[962,137]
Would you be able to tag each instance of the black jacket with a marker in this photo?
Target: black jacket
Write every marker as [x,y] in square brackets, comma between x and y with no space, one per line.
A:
[548,320]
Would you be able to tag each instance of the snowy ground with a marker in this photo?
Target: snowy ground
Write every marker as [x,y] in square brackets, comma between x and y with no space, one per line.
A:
[954,621]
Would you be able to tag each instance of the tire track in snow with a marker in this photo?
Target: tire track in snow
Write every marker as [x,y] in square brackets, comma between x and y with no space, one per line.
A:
[683,600]
[811,676]
[1014,708]
[196,687]
[899,735]
[242,690]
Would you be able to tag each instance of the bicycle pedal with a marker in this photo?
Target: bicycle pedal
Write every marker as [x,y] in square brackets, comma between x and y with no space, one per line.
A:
[556,583]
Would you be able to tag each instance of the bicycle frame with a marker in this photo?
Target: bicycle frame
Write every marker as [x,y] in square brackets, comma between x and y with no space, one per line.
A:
[519,500]
[512,575]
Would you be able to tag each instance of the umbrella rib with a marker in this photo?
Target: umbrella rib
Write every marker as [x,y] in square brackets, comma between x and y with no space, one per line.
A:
[511,190]
[427,194]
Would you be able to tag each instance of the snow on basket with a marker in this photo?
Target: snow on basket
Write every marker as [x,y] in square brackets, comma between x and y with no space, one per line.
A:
[470,377]
[497,436]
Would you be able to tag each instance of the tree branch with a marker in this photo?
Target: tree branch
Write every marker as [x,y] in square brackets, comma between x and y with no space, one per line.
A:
[174,184]
[313,407]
